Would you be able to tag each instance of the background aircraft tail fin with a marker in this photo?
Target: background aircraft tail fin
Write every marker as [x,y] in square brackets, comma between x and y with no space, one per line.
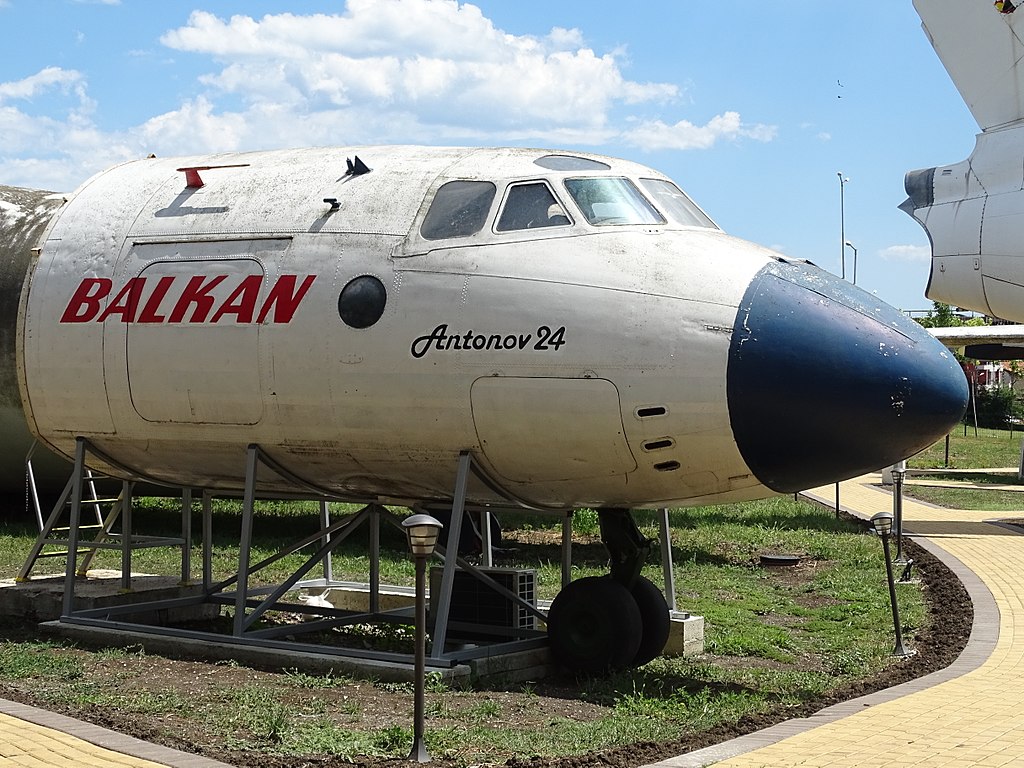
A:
[982,49]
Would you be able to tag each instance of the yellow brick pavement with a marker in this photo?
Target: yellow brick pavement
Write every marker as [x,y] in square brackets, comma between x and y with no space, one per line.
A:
[26,745]
[35,738]
[974,720]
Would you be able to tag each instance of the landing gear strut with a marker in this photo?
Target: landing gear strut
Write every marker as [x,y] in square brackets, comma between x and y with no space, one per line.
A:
[621,620]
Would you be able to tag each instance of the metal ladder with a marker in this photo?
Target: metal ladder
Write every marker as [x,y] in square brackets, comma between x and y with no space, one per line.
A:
[55,540]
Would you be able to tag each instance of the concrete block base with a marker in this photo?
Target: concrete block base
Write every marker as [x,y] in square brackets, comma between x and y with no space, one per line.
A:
[685,636]
[41,598]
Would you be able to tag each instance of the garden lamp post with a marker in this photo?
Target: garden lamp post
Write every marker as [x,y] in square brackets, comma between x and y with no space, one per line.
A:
[882,523]
[422,532]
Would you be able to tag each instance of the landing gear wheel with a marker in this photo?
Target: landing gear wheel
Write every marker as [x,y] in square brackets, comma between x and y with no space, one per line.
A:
[595,625]
[654,617]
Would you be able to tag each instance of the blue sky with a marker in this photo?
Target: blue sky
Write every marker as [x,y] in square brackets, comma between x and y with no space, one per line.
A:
[751,107]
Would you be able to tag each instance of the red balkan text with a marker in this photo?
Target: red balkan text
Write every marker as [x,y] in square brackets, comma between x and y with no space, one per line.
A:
[188,299]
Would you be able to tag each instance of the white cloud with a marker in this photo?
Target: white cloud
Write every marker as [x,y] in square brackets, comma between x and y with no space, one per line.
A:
[381,71]
[906,253]
[686,135]
[443,61]
[42,81]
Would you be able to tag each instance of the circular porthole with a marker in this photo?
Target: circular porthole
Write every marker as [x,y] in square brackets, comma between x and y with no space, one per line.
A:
[362,301]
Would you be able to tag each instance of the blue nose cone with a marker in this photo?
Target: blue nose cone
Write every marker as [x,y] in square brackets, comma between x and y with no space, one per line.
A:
[825,382]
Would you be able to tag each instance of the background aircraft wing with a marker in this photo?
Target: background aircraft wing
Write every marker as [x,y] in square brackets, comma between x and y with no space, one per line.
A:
[979,334]
[985,342]
[982,50]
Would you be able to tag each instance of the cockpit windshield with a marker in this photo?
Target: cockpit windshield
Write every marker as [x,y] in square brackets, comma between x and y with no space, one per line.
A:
[674,202]
[612,200]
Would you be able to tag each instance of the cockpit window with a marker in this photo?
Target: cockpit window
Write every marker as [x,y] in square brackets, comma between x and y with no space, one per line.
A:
[529,206]
[570,163]
[673,201]
[612,200]
[459,209]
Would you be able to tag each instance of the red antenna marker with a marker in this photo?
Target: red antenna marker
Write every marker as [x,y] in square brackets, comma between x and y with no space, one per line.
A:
[194,181]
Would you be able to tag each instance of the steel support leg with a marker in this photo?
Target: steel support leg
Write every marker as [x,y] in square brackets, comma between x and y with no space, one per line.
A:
[186,536]
[78,479]
[442,602]
[486,545]
[245,540]
[325,522]
[666,559]
[30,484]
[126,535]
[566,549]
[207,542]
[374,558]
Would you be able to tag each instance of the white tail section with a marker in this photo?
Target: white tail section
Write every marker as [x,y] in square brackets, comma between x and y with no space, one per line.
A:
[982,50]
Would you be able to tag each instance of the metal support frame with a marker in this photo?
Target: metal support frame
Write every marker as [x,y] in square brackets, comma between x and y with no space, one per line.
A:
[442,609]
[666,559]
[207,542]
[79,491]
[126,535]
[251,603]
[374,517]
[242,593]
[76,514]
[186,534]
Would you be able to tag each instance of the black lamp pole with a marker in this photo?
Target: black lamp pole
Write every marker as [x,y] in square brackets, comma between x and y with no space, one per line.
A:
[421,531]
[419,746]
[883,527]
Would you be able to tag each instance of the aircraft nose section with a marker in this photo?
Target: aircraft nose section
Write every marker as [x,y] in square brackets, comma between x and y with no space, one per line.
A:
[825,382]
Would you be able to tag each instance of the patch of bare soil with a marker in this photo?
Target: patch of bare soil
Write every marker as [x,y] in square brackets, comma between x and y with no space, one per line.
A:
[383,705]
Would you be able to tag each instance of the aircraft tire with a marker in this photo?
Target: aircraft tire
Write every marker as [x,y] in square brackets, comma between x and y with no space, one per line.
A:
[594,625]
[654,617]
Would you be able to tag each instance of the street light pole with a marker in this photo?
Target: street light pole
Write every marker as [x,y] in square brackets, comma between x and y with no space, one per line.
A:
[842,222]
[848,244]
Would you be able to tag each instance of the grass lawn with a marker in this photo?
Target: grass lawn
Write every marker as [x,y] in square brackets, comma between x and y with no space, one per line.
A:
[775,638]
[990,448]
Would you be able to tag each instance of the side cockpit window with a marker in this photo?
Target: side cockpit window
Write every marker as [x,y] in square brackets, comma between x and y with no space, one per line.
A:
[612,200]
[676,204]
[459,209]
[530,206]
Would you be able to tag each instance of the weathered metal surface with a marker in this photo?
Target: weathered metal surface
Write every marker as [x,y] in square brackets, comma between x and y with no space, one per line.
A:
[24,214]
[583,360]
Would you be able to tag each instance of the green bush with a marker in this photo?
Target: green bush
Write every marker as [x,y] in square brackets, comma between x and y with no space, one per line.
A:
[995,407]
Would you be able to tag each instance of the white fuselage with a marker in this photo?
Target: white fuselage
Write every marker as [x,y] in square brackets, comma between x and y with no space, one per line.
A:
[181,310]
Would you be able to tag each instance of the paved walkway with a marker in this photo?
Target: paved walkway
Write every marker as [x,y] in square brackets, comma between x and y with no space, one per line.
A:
[35,738]
[971,714]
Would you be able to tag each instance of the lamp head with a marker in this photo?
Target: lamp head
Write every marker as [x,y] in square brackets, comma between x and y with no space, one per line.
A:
[422,532]
[882,523]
